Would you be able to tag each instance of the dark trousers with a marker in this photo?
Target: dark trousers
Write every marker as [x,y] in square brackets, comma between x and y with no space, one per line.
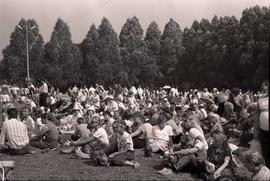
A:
[43,99]
[264,139]
[221,108]
[42,145]
[138,143]
[24,150]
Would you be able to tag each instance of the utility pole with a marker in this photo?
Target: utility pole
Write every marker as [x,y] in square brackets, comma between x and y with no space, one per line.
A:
[27,49]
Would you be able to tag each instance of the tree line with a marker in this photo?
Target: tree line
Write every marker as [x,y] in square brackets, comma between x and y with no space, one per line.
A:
[212,53]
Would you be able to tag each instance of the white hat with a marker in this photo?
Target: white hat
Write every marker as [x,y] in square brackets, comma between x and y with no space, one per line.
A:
[76,106]
[90,108]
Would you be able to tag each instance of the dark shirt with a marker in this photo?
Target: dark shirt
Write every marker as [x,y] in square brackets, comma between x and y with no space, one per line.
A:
[50,133]
[217,153]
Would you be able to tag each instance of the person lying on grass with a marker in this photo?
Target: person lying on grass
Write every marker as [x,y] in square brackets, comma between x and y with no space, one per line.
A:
[94,145]
[125,154]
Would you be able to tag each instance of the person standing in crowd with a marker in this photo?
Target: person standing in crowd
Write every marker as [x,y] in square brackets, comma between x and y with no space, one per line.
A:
[262,127]
[43,90]
[16,134]
[223,96]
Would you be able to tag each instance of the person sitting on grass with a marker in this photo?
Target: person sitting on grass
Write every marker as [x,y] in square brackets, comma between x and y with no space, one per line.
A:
[109,121]
[81,133]
[194,129]
[81,130]
[218,157]
[143,132]
[161,139]
[255,164]
[192,154]
[48,136]
[125,154]
[94,145]
[28,121]
[16,134]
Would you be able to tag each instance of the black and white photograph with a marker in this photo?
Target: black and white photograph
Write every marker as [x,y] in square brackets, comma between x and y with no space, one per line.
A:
[134,90]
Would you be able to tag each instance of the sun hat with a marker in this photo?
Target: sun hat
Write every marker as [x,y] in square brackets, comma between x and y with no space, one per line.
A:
[76,106]
[90,108]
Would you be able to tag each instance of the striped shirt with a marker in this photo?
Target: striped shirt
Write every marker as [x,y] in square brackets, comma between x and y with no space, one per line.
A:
[15,132]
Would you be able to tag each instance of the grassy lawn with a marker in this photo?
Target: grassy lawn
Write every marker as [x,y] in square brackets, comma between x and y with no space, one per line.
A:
[54,166]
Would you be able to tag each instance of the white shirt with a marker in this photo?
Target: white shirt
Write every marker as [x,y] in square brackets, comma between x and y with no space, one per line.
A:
[43,88]
[162,134]
[5,98]
[30,124]
[148,130]
[195,132]
[264,117]
[101,135]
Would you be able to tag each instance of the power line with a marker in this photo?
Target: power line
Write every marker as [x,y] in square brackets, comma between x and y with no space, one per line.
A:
[88,12]
[81,16]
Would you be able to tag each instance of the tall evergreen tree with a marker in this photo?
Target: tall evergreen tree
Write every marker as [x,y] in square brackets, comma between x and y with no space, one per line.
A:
[171,49]
[107,53]
[151,70]
[132,49]
[63,58]
[89,52]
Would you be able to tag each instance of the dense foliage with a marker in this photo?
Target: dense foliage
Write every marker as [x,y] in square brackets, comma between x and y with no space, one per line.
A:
[208,54]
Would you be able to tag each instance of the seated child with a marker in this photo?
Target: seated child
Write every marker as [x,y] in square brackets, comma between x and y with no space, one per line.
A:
[81,130]
[125,154]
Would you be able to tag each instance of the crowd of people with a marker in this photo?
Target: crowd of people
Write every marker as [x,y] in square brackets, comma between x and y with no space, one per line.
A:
[219,134]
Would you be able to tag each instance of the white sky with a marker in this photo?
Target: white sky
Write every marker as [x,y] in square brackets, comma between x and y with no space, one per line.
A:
[80,14]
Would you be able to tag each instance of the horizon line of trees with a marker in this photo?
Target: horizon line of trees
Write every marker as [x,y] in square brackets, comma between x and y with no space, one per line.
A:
[208,54]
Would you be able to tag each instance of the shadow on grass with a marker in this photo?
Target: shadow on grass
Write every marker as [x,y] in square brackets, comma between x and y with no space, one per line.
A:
[90,163]
[158,166]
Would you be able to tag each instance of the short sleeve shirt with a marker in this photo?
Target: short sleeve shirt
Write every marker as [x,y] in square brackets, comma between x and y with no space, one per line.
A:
[101,135]
[194,133]
[162,134]
[124,142]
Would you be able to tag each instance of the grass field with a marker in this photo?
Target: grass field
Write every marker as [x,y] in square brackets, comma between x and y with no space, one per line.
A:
[54,166]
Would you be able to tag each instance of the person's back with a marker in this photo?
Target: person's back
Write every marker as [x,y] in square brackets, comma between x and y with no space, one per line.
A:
[15,132]
[52,133]
[83,130]
[16,139]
